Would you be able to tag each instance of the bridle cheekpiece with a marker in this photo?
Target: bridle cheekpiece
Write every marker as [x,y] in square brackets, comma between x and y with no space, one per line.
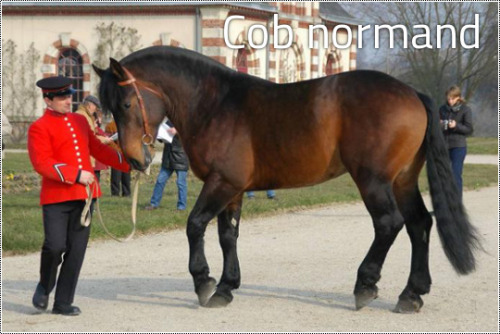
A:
[147,138]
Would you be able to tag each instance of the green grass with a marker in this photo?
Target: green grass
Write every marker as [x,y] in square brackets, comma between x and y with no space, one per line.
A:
[482,145]
[476,145]
[22,230]
[19,146]
[16,163]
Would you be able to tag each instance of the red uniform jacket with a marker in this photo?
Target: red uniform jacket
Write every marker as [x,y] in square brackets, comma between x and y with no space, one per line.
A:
[59,147]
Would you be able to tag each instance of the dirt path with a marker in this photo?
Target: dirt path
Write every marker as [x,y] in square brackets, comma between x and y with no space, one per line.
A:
[298,272]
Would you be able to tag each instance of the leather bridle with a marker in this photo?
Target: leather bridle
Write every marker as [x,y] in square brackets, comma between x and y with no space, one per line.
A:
[147,138]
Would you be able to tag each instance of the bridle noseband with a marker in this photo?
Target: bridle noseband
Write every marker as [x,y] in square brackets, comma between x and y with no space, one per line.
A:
[147,138]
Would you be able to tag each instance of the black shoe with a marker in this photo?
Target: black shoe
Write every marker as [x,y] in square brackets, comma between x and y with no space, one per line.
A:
[66,310]
[40,298]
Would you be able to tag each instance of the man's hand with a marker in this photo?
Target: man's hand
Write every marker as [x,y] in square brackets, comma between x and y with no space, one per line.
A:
[86,178]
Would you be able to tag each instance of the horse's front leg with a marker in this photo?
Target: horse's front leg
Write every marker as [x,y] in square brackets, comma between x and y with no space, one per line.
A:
[214,197]
[228,225]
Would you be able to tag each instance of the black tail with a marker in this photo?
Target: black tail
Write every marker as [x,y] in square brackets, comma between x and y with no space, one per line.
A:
[458,237]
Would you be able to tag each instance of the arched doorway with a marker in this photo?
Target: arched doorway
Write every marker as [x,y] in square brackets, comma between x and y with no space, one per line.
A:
[333,65]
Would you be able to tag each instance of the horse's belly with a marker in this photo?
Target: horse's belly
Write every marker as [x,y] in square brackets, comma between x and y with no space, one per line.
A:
[309,170]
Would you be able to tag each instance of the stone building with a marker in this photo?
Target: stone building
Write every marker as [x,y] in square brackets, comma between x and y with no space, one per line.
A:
[69,36]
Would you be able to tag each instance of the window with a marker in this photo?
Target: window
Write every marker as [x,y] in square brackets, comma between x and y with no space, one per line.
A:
[333,65]
[70,65]
[242,60]
[330,62]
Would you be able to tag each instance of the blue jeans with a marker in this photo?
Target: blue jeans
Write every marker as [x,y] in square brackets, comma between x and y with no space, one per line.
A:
[270,194]
[457,157]
[161,181]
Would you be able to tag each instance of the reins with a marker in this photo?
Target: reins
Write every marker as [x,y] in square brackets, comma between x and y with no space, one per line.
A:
[86,215]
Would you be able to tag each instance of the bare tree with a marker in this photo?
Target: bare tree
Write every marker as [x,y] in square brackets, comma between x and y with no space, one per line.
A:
[115,41]
[433,70]
[18,76]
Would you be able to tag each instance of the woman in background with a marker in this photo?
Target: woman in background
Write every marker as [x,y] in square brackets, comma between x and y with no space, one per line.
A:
[456,122]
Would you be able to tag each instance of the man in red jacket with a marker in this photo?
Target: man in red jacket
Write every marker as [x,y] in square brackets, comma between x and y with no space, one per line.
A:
[60,144]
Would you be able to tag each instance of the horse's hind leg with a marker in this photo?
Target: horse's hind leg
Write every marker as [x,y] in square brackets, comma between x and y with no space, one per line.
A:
[379,199]
[214,197]
[228,226]
[418,225]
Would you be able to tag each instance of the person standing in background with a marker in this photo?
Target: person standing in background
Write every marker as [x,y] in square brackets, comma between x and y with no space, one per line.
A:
[271,194]
[89,108]
[456,122]
[103,137]
[174,159]
[119,179]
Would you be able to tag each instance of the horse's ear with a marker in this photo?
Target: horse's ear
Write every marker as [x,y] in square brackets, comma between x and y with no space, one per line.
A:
[98,70]
[117,69]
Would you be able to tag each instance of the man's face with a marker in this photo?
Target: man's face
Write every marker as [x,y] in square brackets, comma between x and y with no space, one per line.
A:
[61,104]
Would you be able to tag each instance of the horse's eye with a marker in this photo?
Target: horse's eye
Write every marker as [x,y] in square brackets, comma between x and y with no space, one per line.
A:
[127,105]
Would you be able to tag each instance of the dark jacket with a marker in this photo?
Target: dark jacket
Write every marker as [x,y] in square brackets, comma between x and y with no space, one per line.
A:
[174,156]
[463,116]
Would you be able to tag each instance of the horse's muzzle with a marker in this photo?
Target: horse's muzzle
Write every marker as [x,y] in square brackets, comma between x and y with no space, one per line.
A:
[139,165]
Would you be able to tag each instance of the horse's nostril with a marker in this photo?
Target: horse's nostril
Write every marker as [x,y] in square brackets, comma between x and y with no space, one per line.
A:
[148,159]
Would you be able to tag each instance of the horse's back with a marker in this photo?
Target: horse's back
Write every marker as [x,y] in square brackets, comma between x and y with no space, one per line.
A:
[294,130]
[309,132]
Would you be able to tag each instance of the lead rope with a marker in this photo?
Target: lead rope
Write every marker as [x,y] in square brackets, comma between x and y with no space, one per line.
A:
[86,217]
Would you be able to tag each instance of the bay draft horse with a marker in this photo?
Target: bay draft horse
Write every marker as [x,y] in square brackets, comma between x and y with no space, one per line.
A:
[243,133]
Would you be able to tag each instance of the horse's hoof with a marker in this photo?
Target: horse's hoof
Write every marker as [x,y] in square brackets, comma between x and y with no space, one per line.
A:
[365,296]
[409,305]
[206,290]
[220,300]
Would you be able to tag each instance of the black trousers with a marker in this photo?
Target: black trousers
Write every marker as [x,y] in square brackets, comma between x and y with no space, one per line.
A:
[65,242]
[120,178]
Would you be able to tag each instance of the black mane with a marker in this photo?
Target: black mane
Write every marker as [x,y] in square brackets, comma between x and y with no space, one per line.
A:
[174,56]
[164,59]
[110,94]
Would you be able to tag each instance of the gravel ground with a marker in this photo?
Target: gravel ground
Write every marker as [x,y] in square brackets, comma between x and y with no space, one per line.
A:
[298,272]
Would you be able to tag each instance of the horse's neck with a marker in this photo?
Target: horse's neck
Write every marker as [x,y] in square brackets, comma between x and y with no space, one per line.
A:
[194,97]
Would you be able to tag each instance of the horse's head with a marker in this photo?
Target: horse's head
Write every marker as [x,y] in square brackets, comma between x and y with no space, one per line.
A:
[138,110]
